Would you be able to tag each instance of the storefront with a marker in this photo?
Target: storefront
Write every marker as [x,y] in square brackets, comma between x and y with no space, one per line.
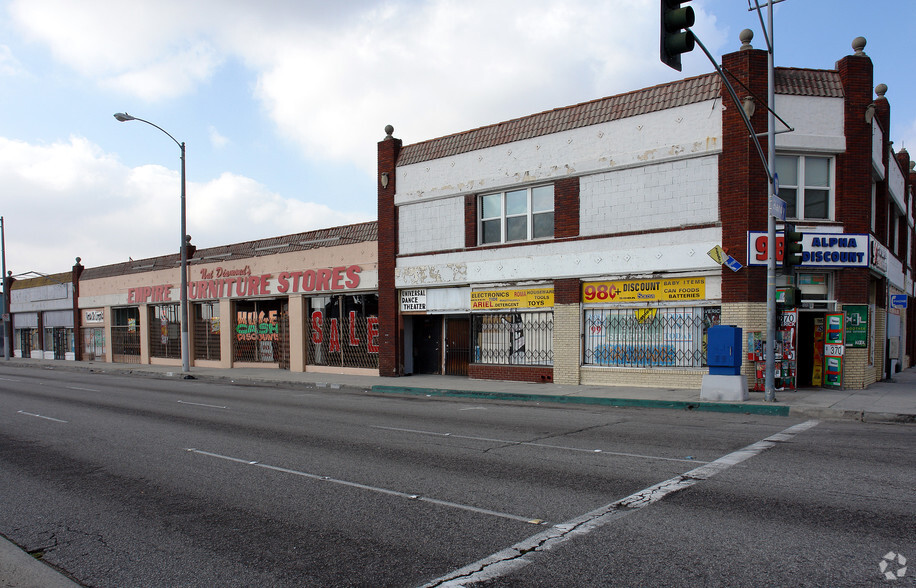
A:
[42,314]
[479,331]
[300,302]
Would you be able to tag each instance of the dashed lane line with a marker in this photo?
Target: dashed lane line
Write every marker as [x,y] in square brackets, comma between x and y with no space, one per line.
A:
[416,497]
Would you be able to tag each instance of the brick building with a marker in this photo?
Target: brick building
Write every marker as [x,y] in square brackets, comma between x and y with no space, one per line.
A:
[571,245]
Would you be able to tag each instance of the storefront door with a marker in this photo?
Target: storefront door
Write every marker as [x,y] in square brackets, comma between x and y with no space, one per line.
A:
[457,346]
[427,345]
[810,349]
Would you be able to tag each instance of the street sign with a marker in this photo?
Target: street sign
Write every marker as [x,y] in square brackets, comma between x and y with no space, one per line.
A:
[898,300]
[733,264]
[717,254]
[778,207]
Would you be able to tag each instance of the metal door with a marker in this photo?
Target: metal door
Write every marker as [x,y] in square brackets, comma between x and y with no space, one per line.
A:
[457,346]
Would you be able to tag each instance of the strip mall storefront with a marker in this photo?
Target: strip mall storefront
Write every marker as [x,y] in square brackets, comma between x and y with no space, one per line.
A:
[314,309]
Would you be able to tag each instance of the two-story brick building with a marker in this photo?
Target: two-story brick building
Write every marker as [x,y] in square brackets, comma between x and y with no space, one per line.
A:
[571,245]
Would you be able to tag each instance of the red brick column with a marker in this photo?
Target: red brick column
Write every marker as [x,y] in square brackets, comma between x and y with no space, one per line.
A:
[566,207]
[390,335]
[743,184]
[853,171]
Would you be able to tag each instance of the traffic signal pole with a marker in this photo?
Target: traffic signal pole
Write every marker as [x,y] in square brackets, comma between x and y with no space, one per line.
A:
[677,38]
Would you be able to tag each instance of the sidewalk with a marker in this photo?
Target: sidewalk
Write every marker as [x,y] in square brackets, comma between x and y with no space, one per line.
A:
[888,401]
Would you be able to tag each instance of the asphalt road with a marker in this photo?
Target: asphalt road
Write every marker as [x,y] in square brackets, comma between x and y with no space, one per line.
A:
[133,481]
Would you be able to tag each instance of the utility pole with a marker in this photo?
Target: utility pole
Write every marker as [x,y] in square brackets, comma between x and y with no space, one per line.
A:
[7,332]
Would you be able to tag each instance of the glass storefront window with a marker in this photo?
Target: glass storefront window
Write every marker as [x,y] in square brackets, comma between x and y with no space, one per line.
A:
[513,338]
[343,331]
[648,337]
[165,331]
[206,330]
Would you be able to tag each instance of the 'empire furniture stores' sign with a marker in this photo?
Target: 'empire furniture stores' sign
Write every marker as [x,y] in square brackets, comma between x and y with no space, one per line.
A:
[241,283]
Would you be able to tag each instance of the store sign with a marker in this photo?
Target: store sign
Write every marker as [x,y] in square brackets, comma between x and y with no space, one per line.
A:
[413,300]
[818,249]
[94,316]
[512,299]
[224,283]
[672,289]
[856,325]
[878,257]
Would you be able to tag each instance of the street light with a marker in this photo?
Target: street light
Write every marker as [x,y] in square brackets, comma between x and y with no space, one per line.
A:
[185,341]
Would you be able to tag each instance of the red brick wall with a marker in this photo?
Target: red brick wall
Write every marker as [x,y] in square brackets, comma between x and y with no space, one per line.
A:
[566,291]
[470,220]
[743,182]
[853,171]
[512,373]
[566,207]
[390,335]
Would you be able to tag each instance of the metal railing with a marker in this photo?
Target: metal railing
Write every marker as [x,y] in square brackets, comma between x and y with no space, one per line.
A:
[648,337]
[512,338]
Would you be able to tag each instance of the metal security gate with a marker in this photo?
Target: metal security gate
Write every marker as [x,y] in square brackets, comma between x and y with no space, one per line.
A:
[457,346]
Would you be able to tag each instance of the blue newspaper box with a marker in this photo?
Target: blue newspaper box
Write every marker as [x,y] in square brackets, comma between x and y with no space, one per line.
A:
[723,350]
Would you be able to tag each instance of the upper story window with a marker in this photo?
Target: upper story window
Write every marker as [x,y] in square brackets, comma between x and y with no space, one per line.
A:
[517,215]
[806,184]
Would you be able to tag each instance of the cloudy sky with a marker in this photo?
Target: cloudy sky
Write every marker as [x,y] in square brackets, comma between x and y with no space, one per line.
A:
[281,102]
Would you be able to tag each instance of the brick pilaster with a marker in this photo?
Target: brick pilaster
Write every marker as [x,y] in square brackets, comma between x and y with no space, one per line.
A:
[853,170]
[390,330]
[566,207]
[743,182]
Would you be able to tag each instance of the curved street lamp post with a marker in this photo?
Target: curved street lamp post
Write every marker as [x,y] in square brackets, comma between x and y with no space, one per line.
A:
[185,340]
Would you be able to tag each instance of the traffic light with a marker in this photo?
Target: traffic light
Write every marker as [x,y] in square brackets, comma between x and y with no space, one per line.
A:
[675,37]
[791,247]
[191,249]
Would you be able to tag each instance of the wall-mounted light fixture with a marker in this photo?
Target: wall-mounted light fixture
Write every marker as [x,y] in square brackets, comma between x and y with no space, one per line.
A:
[384,179]
[869,113]
[749,106]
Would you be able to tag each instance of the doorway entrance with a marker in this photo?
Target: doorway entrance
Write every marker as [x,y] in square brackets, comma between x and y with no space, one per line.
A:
[810,349]
[427,345]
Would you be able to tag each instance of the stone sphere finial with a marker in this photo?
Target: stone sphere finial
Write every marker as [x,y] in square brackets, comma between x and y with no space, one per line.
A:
[389,130]
[881,90]
[745,37]
[858,45]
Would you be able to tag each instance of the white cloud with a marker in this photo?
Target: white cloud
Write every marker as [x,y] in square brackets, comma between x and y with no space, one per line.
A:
[9,65]
[79,201]
[332,75]
[217,140]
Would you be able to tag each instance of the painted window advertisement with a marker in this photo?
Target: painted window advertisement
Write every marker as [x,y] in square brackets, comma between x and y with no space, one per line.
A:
[257,331]
[343,331]
[648,337]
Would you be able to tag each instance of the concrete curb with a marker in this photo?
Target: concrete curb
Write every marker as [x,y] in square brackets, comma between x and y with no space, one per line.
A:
[20,570]
[590,400]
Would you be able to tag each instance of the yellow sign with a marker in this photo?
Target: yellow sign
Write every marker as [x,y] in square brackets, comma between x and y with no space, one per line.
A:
[717,254]
[664,290]
[514,298]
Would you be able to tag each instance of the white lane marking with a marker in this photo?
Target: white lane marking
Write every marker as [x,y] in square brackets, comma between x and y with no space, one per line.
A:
[533,444]
[473,408]
[417,497]
[204,405]
[10,380]
[515,557]
[31,414]
[83,389]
